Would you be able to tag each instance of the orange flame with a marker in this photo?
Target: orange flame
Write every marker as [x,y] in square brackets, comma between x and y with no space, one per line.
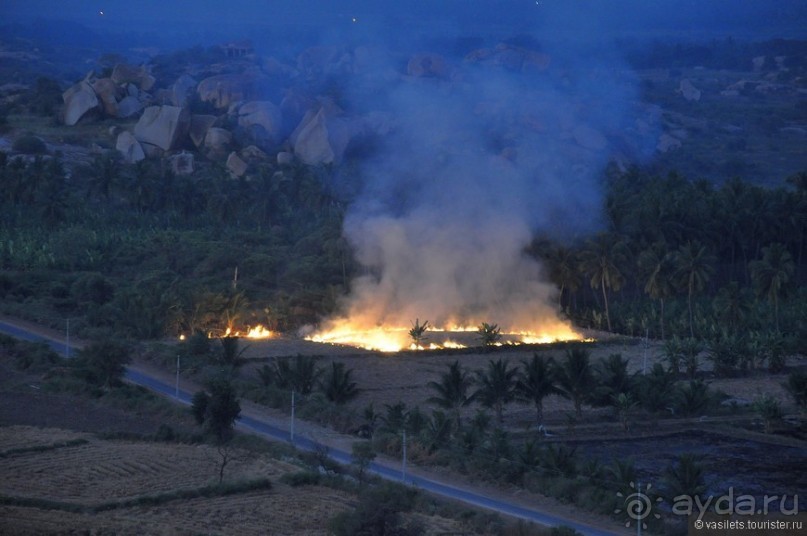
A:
[257,332]
[394,338]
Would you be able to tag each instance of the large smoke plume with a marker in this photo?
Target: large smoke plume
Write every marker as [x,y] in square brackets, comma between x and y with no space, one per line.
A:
[498,146]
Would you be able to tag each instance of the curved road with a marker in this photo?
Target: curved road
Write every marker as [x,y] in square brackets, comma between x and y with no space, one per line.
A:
[385,471]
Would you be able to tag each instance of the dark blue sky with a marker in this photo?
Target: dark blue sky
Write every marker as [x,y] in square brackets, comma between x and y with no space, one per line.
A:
[697,18]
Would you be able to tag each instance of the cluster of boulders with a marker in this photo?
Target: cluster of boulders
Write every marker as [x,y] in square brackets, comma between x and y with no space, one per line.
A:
[242,127]
[248,110]
[122,94]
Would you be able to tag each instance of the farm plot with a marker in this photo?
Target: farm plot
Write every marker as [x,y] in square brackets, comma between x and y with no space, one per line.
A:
[282,511]
[22,437]
[100,471]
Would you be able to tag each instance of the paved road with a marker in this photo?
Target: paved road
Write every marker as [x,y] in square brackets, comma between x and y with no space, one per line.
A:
[385,471]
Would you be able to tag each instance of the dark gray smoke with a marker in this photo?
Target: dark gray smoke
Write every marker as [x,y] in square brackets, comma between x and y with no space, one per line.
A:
[490,149]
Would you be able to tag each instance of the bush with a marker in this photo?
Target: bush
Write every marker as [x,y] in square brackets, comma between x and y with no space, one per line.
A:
[796,386]
[301,478]
[103,363]
[378,512]
[30,356]
[29,144]
[165,433]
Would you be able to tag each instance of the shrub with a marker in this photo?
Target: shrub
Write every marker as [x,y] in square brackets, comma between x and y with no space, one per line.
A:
[796,386]
[769,409]
[301,478]
[363,455]
[32,356]
[165,433]
[103,363]
[378,512]
[29,144]
[217,411]
[197,345]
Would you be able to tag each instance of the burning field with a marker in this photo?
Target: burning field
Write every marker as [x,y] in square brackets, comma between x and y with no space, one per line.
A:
[465,181]
[395,339]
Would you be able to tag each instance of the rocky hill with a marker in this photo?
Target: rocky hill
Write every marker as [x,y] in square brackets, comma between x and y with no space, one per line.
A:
[230,105]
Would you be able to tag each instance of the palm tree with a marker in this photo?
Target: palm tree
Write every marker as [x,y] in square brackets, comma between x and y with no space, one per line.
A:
[231,355]
[611,378]
[337,385]
[576,377]
[437,431]
[453,391]
[622,473]
[395,418]
[686,477]
[601,260]
[796,387]
[693,269]
[769,409]
[489,334]
[418,332]
[656,268]
[497,387]
[772,273]
[301,376]
[536,381]
[564,270]
[690,350]
[693,398]
[624,404]
[731,305]
[657,389]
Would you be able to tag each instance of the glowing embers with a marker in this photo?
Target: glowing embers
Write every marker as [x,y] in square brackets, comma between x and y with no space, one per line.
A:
[380,339]
[395,339]
[256,332]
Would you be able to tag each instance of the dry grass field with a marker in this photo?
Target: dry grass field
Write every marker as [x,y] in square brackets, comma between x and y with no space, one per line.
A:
[99,471]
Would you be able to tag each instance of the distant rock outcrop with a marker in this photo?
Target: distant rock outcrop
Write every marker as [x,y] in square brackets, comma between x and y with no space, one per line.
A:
[433,65]
[163,126]
[140,76]
[236,166]
[182,163]
[667,143]
[223,90]
[313,142]
[263,119]
[199,126]
[129,106]
[129,147]
[512,58]
[319,60]
[181,90]
[285,158]
[109,93]
[217,141]
[689,91]
[78,100]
